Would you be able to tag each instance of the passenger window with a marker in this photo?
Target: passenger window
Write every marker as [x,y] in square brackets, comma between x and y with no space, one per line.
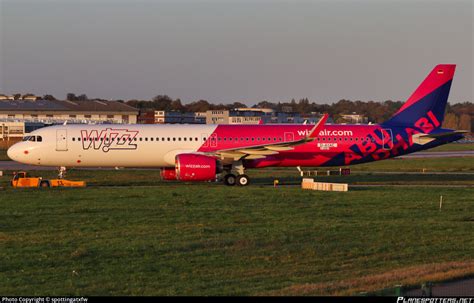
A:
[39,139]
[174,139]
[185,139]
[146,138]
[179,139]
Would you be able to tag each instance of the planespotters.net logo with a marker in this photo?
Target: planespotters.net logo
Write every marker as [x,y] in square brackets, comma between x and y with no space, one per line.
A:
[434,300]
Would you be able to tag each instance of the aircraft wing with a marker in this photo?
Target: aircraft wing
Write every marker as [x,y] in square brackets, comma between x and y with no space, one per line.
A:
[263,150]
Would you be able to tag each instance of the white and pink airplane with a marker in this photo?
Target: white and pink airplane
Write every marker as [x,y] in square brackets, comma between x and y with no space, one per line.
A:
[200,152]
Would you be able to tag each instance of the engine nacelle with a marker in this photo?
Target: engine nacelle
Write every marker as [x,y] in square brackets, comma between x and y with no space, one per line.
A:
[168,173]
[192,167]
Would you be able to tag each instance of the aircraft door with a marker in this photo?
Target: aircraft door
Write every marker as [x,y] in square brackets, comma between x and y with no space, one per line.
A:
[61,140]
[387,138]
[213,140]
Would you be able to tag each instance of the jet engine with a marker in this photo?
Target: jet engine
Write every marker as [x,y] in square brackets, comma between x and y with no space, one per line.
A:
[193,167]
[168,173]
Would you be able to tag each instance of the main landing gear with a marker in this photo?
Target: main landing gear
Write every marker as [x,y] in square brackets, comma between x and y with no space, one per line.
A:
[240,178]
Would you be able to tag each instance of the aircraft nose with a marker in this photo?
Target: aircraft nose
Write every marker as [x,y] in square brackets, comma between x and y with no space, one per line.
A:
[12,152]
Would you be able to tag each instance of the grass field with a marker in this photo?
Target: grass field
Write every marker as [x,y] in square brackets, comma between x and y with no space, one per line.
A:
[454,147]
[206,239]
[129,233]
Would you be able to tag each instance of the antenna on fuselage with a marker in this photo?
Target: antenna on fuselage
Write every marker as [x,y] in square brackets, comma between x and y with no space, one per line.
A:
[65,122]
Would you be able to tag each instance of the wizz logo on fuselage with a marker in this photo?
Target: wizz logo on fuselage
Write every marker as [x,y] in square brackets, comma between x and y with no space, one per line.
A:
[109,139]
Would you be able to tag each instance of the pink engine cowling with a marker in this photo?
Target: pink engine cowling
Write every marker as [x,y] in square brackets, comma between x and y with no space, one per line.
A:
[168,173]
[192,167]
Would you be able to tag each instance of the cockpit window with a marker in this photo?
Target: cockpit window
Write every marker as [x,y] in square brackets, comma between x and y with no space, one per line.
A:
[33,138]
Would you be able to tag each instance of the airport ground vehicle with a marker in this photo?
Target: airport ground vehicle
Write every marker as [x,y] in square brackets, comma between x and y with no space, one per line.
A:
[21,179]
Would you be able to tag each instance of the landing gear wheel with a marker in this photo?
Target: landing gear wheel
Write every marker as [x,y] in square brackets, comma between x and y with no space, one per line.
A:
[243,180]
[230,179]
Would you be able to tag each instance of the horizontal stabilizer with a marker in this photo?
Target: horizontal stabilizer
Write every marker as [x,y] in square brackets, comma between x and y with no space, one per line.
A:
[427,138]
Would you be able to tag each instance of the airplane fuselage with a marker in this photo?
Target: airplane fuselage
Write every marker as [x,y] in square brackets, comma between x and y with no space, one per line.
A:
[157,145]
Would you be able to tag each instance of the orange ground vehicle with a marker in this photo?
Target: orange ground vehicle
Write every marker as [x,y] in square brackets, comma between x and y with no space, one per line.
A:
[21,179]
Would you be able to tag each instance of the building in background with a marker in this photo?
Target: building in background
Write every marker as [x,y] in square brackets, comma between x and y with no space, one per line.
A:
[237,116]
[258,115]
[170,117]
[47,111]
[12,131]
[355,118]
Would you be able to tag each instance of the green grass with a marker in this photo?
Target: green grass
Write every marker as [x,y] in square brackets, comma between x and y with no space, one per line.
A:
[418,164]
[207,239]
[129,233]
[454,147]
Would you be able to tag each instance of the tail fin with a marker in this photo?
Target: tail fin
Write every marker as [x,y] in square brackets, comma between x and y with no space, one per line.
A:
[428,100]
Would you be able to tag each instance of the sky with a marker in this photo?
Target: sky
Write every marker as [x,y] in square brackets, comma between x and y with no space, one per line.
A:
[227,51]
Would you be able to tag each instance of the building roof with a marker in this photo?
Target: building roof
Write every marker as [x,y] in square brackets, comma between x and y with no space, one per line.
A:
[66,106]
